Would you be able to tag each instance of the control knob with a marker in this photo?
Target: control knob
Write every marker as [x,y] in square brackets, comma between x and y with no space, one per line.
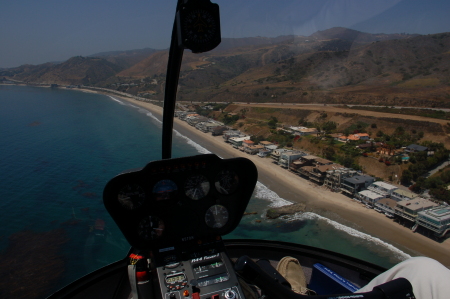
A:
[230,294]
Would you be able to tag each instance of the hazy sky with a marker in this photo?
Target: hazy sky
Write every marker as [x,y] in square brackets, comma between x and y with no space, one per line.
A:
[34,32]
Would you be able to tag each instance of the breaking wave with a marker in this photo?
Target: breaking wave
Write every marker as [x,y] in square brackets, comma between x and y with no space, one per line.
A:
[265,193]
[197,146]
[117,100]
[262,192]
[351,231]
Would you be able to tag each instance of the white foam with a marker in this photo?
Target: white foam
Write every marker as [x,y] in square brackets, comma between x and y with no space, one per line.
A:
[197,146]
[262,192]
[117,100]
[351,231]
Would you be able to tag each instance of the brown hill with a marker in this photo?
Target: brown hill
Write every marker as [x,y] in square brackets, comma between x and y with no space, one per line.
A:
[412,71]
[75,71]
[126,59]
[337,65]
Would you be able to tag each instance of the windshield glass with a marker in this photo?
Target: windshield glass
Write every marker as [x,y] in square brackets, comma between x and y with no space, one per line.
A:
[328,98]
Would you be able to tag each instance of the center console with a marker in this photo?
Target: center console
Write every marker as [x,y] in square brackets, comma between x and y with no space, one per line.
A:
[175,211]
[200,269]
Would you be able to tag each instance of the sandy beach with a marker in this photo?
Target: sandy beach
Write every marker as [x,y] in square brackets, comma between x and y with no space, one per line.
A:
[318,199]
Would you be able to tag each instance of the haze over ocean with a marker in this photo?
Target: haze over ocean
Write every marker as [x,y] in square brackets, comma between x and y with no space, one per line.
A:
[59,148]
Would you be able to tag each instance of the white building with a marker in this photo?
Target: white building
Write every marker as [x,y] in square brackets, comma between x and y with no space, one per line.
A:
[369,197]
[436,220]
[400,194]
[382,188]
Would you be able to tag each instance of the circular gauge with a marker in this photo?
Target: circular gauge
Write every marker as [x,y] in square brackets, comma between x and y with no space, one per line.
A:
[227,182]
[151,228]
[131,196]
[197,187]
[216,216]
[165,189]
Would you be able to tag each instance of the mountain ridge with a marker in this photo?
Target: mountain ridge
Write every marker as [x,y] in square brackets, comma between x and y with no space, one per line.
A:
[337,65]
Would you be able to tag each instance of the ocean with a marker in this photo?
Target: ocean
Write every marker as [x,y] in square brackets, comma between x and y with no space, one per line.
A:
[58,150]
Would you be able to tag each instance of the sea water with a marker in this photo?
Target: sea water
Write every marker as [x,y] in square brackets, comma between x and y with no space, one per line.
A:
[59,148]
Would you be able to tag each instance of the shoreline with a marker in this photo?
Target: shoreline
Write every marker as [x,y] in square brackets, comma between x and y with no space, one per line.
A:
[318,199]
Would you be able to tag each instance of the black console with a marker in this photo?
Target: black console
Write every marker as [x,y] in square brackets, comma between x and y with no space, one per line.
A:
[200,270]
[176,210]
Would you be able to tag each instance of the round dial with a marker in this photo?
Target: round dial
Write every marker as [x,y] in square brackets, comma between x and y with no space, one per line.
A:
[197,187]
[131,196]
[165,189]
[216,216]
[151,228]
[199,26]
[227,182]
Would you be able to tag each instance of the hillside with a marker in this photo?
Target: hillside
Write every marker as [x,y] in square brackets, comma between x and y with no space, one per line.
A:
[338,65]
[75,71]
[125,59]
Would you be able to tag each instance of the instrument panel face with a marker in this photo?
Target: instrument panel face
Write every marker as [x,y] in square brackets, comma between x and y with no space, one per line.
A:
[173,200]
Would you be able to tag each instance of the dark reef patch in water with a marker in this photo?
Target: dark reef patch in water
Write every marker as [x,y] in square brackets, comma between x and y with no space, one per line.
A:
[34,124]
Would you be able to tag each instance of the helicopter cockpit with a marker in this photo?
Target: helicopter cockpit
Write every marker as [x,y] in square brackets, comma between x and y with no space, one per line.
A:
[174,212]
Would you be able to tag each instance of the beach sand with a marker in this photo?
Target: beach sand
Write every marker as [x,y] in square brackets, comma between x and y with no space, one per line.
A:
[318,199]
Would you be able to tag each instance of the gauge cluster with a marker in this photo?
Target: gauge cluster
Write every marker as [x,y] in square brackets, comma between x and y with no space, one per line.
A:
[173,200]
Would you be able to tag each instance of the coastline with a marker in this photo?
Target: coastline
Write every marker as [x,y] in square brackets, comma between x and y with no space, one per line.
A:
[318,199]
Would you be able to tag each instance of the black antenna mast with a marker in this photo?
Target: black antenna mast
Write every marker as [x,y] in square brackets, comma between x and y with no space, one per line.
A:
[196,27]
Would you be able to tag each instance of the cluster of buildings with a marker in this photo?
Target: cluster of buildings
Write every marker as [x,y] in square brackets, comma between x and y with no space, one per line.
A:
[202,123]
[404,206]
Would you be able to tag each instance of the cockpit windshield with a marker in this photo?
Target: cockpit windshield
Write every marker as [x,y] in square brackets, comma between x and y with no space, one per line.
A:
[343,106]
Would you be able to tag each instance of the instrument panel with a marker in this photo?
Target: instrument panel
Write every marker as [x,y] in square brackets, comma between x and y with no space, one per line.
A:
[176,200]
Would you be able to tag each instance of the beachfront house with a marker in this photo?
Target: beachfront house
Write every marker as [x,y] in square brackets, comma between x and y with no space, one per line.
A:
[352,185]
[275,155]
[193,121]
[318,173]
[253,149]
[406,210]
[306,160]
[386,206]
[219,130]
[400,194]
[382,188]
[287,158]
[335,177]
[207,126]
[231,133]
[212,125]
[265,143]
[236,142]
[435,221]
[270,147]
[246,143]
[368,197]
[263,153]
